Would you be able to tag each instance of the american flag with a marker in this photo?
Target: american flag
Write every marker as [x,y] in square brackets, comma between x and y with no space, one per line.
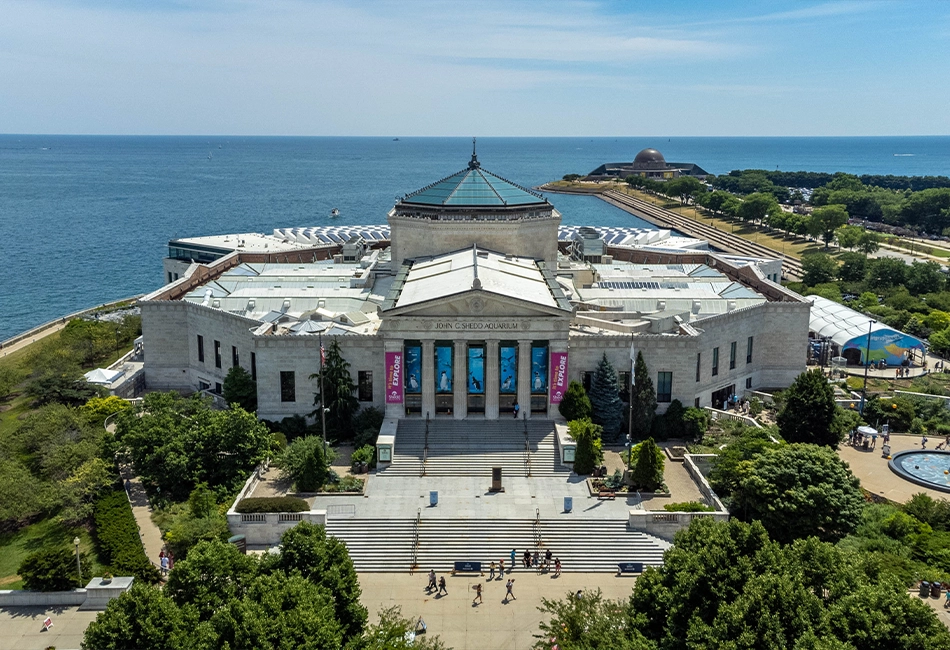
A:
[323,354]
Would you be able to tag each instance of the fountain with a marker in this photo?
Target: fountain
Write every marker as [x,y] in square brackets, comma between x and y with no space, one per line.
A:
[927,468]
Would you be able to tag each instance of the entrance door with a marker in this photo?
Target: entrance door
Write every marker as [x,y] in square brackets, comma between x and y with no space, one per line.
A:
[720,398]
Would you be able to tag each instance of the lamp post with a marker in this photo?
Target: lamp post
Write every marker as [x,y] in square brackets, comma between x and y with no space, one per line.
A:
[867,364]
[78,566]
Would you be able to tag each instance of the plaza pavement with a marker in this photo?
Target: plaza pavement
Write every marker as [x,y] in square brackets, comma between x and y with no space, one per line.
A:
[21,628]
[876,477]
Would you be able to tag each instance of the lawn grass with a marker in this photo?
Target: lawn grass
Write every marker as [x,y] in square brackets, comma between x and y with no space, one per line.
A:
[15,547]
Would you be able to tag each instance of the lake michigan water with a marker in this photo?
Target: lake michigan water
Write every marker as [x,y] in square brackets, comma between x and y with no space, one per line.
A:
[85,220]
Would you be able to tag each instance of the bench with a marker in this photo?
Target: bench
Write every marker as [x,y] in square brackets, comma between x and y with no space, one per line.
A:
[606,495]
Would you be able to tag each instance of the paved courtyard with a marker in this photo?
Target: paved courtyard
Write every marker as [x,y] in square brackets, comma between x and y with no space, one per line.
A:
[876,477]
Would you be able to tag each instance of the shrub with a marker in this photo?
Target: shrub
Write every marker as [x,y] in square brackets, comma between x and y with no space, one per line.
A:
[363,455]
[346,484]
[614,481]
[647,465]
[307,463]
[272,504]
[688,506]
[696,423]
[576,404]
[117,535]
[589,453]
[53,569]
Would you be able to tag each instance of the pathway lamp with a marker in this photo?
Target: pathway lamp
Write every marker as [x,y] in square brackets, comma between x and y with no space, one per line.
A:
[78,566]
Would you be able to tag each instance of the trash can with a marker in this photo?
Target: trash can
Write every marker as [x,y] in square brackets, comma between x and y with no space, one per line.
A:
[935,589]
[924,589]
[568,504]
[434,498]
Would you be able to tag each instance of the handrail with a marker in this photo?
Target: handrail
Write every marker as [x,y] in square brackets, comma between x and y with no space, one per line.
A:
[425,448]
[538,541]
[527,449]
[414,558]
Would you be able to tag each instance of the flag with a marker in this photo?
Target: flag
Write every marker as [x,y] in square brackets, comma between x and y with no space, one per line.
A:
[633,365]
[323,354]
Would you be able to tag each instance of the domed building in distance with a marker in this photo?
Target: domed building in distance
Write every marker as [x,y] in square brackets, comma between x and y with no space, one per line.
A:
[649,163]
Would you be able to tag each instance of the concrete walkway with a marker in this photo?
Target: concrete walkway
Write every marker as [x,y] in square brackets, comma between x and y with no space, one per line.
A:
[876,477]
[21,628]
[149,533]
[19,345]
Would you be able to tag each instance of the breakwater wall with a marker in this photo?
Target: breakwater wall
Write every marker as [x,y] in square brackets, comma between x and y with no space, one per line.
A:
[39,329]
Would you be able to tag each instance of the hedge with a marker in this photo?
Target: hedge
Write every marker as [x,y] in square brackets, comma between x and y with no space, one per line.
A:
[117,536]
[272,504]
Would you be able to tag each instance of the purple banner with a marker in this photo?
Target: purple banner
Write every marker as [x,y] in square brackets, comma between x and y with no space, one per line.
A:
[394,377]
[558,376]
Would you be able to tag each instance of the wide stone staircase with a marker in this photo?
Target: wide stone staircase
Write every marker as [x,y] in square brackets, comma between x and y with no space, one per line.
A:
[474,447]
[583,545]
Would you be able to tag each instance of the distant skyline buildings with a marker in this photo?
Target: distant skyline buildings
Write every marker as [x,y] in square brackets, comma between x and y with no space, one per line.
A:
[552,68]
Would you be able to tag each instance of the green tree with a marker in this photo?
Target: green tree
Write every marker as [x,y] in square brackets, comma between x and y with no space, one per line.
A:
[143,617]
[306,462]
[643,397]
[826,220]
[924,277]
[575,405]
[340,402]
[97,409]
[848,236]
[809,410]
[869,242]
[818,268]
[940,342]
[589,452]
[756,207]
[214,574]
[647,463]
[798,491]
[393,632]
[81,489]
[606,407]
[23,495]
[733,462]
[853,267]
[937,320]
[54,569]
[685,187]
[10,378]
[240,389]
[306,549]
[886,272]
[588,622]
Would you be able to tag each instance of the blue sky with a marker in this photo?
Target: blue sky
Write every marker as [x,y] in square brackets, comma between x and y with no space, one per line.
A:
[558,67]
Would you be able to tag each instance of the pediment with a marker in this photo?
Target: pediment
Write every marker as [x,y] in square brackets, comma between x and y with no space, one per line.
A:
[478,304]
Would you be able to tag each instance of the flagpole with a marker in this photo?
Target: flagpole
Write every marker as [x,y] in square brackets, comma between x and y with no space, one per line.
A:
[633,370]
[323,399]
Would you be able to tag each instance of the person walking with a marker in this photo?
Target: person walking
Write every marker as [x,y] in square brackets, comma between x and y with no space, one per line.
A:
[501,567]
[432,584]
[557,567]
[513,554]
[491,572]
[547,556]
[164,565]
[516,408]
[923,442]
[442,586]
[478,593]
[509,595]
[526,559]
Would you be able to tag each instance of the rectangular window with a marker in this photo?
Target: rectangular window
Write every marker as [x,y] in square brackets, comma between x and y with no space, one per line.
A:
[748,382]
[696,402]
[204,384]
[715,364]
[664,387]
[201,348]
[234,356]
[732,356]
[748,351]
[587,378]
[254,366]
[699,360]
[169,277]
[623,378]
[217,354]
[217,387]
[288,386]
[365,385]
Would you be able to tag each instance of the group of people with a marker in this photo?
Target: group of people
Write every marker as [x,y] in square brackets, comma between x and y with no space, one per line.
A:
[857,439]
[529,560]
[167,561]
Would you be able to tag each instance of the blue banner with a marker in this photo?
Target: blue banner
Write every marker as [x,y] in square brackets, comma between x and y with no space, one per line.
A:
[476,371]
[508,366]
[539,370]
[414,369]
[443,369]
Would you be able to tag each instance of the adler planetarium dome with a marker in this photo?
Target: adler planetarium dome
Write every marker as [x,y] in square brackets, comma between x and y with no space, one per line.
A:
[649,163]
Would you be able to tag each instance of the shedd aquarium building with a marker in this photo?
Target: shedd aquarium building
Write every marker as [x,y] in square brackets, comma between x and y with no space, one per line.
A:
[472,300]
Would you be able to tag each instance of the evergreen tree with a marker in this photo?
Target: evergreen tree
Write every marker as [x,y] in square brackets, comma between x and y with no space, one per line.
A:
[643,396]
[646,469]
[606,407]
[809,411]
[589,453]
[576,404]
[340,402]
[240,389]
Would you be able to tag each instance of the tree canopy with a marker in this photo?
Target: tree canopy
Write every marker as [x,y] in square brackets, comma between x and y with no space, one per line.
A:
[239,388]
[340,402]
[606,407]
[575,405]
[643,397]
[808,411]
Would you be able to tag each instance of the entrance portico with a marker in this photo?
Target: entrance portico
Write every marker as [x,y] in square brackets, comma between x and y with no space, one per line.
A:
[471,334]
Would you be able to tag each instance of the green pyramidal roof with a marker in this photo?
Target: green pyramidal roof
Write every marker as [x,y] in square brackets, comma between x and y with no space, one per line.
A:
[474,187]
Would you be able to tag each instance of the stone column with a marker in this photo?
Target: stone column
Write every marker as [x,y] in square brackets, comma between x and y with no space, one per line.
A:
[491,380]
[460,380]
[394,410]
[428,378]
[555,346]
[524,378]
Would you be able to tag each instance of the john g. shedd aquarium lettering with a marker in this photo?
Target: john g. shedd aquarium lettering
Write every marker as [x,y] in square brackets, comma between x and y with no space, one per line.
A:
[502,325]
